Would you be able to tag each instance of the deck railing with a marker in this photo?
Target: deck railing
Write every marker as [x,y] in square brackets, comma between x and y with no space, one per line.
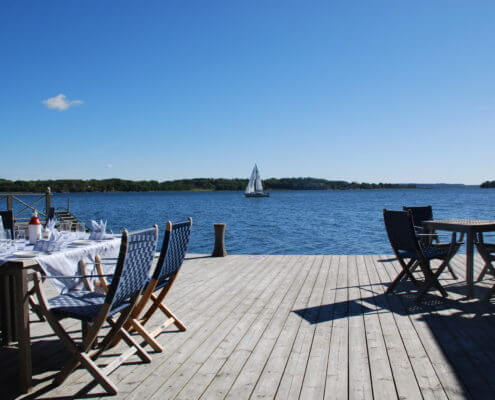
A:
[28,205]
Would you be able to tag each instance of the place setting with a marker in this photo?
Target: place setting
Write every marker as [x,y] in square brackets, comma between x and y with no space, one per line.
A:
[36,240]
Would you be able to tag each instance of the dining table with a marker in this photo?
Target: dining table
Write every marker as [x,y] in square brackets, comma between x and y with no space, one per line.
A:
[470,227]
[16,270]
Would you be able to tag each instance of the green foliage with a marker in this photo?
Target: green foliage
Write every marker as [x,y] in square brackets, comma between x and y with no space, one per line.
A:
[122,185]
[488,184]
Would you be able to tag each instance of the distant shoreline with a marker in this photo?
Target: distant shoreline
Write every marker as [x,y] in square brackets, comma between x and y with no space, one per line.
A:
[196,184]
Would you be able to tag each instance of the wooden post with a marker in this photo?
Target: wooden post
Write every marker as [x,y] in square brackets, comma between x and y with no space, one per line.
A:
[9,201]
[48,200]
[219,249]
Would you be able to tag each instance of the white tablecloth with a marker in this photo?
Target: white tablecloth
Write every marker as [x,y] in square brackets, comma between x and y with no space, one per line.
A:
[65,262]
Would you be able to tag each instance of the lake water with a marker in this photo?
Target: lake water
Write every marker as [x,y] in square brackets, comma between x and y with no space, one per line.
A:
[289,222]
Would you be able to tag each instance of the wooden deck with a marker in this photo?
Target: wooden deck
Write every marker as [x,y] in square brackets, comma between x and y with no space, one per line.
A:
[296,327]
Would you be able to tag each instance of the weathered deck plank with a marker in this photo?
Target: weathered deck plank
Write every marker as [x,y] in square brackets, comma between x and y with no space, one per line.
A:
[297,327]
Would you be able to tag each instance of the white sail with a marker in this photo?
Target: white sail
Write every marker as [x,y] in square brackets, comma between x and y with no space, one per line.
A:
[258,187]
[254,187]
[252,180]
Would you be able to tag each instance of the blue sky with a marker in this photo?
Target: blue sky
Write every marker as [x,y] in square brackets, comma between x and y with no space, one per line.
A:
[388,91]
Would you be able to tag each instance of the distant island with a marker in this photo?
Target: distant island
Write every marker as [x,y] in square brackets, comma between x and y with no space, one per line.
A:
[197,184]
[488,184]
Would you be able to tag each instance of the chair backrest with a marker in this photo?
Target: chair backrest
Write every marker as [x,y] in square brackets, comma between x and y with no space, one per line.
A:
[420,214]
[173,250]
[134,262]
[400,231]
[8,220]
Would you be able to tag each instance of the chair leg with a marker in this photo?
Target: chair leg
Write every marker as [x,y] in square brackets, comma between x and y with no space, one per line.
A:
[177,322]
[145,357]
[451,270]
[146,336]
[97,374]
[35,309]
[432,278]
[403,274]
[487,268]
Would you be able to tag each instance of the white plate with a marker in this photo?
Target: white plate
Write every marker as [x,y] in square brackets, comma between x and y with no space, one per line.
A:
[26,254]
[81,242]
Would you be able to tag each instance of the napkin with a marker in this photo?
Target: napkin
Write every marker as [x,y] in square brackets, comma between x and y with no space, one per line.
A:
[55,242]
[50,227]
[99,230]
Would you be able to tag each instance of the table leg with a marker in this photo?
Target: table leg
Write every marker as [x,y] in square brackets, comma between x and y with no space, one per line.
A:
[23,334]
[469,263]
[6,309]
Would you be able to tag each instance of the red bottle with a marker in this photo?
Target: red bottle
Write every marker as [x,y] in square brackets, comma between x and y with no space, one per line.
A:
[34,228]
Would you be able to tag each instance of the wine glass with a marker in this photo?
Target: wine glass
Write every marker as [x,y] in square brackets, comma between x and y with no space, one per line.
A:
[8,241]
[20,239]
[3,234]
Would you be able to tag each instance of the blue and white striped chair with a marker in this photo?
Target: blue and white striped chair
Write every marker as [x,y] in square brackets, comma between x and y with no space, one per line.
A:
[171,257]
[94,309]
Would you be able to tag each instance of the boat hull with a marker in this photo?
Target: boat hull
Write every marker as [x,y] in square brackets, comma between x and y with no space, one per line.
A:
[258,194]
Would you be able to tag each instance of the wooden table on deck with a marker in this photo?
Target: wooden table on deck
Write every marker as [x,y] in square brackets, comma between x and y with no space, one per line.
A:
[470,227]
[15,327]
[19,269]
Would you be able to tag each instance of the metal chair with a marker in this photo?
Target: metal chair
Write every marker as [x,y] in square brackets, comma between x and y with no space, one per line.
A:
[170,260]
[406,245]
[425,213]
[93,309]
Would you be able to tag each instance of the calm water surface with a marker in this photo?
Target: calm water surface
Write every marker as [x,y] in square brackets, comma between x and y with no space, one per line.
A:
[289,222]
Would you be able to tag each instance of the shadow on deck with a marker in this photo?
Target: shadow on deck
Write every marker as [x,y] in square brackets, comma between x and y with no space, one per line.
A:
[308,327]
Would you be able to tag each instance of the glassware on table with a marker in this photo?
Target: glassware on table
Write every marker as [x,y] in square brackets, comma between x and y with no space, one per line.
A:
[64,226]
[3,248]
[7,242]
[4,235]
[20,239]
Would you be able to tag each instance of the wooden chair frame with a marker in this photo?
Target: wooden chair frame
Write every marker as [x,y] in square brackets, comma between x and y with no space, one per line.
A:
[150,302]
[84,354]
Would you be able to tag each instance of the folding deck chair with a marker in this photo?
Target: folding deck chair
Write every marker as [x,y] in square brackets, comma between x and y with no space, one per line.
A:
[165,273]
[487,253]
[406,245]
[93,309]
[425,213]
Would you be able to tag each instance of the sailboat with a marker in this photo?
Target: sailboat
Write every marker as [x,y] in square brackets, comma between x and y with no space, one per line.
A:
[254,187]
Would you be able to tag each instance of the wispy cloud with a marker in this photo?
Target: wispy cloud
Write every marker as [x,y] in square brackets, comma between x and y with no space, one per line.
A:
[60,102]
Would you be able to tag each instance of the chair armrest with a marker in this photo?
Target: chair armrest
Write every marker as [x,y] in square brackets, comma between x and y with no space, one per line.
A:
[76,276]
[101,263]
[102,282]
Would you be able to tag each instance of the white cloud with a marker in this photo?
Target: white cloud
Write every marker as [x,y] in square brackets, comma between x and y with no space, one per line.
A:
[109,165]
[60,102]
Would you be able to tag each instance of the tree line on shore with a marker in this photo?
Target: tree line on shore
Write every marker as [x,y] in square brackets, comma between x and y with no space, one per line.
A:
[207,184]
[488,184]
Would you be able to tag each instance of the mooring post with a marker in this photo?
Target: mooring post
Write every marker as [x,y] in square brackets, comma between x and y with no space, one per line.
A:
[48,200]
[219,249]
